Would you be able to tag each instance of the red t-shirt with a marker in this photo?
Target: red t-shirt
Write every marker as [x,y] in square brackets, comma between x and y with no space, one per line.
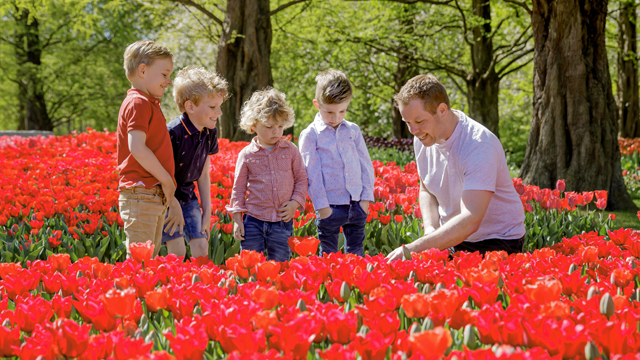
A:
[140,111]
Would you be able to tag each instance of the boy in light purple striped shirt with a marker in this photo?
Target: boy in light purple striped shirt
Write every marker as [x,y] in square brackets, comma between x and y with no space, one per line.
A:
[339,168]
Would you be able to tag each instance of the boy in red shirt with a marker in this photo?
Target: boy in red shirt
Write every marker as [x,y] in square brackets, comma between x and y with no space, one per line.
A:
[145,155]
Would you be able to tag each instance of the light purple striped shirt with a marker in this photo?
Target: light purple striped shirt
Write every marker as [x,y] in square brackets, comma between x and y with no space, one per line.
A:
[338,163]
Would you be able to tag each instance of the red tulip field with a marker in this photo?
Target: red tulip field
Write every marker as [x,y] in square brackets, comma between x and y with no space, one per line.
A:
[67,290]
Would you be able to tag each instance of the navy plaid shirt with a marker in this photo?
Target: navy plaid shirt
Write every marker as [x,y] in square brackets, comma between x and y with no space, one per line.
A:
[190,150]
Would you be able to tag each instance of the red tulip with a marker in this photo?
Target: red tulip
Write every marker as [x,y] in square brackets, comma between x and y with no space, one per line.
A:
[431,344]
[268,270]
[141,252]
[372,346]
[341,327]
[157,299]
[416,305]
[9,340]
[119,303]
[267,297]
[60,261]
[190,340]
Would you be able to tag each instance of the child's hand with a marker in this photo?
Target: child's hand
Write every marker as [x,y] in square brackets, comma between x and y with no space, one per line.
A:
[287,210]
[174,218]
[238,231]
[169,190]
[364,204]
[206,224]
[325,212]
[238,226]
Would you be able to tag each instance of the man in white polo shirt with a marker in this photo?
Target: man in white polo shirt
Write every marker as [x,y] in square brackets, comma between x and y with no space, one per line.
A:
[467,199]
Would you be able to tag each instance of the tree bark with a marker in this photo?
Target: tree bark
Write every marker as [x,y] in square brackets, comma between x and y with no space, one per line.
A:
[574,127]
[244,50]
[483,84]
[628,96]
[405,70]
[32,106]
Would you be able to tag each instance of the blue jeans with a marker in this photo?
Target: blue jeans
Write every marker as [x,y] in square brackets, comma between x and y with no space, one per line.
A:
[352,219]
[272,236]
[192,229]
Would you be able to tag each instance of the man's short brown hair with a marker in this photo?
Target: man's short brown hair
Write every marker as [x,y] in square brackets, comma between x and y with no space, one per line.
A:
[333,87]
[143,52]
[425,87]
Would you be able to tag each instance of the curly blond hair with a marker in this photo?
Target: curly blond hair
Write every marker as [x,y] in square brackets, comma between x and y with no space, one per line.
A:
[195,83]
[333,87]
[425,87]
[264,105]
[143,52]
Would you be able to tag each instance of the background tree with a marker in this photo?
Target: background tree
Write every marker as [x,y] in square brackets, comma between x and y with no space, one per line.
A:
[574,127]
[61,61]
[628,96]
[244,52]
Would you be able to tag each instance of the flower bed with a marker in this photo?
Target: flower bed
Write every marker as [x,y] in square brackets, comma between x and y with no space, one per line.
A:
[59,195]
[575,300]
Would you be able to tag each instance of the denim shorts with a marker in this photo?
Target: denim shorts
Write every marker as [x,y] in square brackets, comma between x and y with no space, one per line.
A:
[192,215]
[265,235]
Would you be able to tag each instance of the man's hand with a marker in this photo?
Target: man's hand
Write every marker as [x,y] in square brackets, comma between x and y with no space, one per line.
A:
[364,204]
[206,224]
[174,218]
[325,212]
[400,253]
[287,210]
[169,190]
[238,226]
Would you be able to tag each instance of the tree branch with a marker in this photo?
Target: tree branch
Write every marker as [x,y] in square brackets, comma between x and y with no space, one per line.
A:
[201,8]
[521,4]
[284,6]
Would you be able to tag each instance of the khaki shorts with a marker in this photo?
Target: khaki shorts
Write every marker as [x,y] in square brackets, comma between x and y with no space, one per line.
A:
[143,211]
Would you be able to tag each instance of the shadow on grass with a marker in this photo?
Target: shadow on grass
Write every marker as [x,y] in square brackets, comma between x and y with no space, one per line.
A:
[627,219]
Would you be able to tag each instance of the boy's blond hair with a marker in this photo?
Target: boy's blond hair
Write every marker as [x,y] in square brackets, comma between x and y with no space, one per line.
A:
[264,105]
[143,52]
[195,83]
[333,87]
[425,87]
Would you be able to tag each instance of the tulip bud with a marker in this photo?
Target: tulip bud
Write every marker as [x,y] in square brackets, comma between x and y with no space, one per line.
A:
[406,253]
[631,261]
[469,337]
[415,328]
[345,291]
[427,324]
[370,267]
[440,286]
[301,305]
[503,349]
[467,305]
[591,351]
[364,329]
[592,292]
[79,274]
[572,268]
[636,295]
[195,279]
[606,305]
[137,334]
[501,282]
[426,289]
[221,283]
[150,336]
[412,275]
[144,322]
[6,323]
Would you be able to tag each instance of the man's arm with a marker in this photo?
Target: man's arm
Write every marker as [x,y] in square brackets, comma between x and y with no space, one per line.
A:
[429,209]
[148,160]
[204,189]
[473,207]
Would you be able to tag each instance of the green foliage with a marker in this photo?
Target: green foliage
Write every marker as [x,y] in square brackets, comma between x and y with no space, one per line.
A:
[546,228]
[82,43]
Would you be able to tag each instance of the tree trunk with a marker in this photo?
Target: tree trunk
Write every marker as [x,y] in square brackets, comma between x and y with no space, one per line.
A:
[244,50]
[574,127]
[628,96]
[405,70]
[483,84]
[32,106]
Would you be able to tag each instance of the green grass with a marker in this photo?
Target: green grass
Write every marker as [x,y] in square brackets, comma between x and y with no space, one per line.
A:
[627,219]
